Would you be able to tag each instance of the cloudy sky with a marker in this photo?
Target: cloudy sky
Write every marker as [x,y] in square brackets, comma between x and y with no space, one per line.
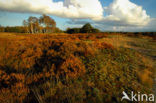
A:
[107,15]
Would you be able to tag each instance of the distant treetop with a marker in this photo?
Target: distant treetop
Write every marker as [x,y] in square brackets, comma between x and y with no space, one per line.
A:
[87,28]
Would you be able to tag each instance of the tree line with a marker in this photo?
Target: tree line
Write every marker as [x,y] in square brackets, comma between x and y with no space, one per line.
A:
[43,24]
[87,28]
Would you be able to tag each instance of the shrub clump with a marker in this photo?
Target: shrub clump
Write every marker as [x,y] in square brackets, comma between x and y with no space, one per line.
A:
[87,28]
[68,69]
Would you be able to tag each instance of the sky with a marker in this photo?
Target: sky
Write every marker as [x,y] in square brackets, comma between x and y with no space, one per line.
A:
[107,15]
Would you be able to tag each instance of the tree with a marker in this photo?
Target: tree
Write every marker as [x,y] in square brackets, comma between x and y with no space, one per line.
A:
[33,24]
[2,29]
[16,29]
[25,24]
[87,28]
[73,30]
[48,23]
[44,24]
[94,30]
[57,30]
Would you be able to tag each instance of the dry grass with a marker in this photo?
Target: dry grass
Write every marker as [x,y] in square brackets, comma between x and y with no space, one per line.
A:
[76,68]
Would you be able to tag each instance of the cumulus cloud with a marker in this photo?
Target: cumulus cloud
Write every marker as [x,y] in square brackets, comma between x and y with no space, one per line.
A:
[69,8]
[125,12]
[114,26]
[119,14]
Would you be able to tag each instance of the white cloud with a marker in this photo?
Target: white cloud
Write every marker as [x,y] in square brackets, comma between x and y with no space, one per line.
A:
[69,8]
[114,26]
[120,14]
[126,12]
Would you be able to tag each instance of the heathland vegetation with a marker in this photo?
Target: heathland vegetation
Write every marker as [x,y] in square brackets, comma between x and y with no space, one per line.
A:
[80,68]
[85,67]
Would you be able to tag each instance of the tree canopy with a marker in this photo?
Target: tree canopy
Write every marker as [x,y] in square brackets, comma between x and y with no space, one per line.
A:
[87,28]
[44,24]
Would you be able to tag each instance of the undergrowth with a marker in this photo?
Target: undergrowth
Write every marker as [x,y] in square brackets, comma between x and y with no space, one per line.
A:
[69,69]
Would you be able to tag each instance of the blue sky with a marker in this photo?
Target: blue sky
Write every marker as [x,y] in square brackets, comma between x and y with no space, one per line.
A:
[148,5]
[15,17]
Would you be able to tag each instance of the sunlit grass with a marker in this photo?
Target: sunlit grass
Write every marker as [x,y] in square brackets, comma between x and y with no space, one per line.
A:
[77,68]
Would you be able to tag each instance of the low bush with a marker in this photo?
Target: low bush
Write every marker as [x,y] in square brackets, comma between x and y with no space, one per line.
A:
[68,69]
